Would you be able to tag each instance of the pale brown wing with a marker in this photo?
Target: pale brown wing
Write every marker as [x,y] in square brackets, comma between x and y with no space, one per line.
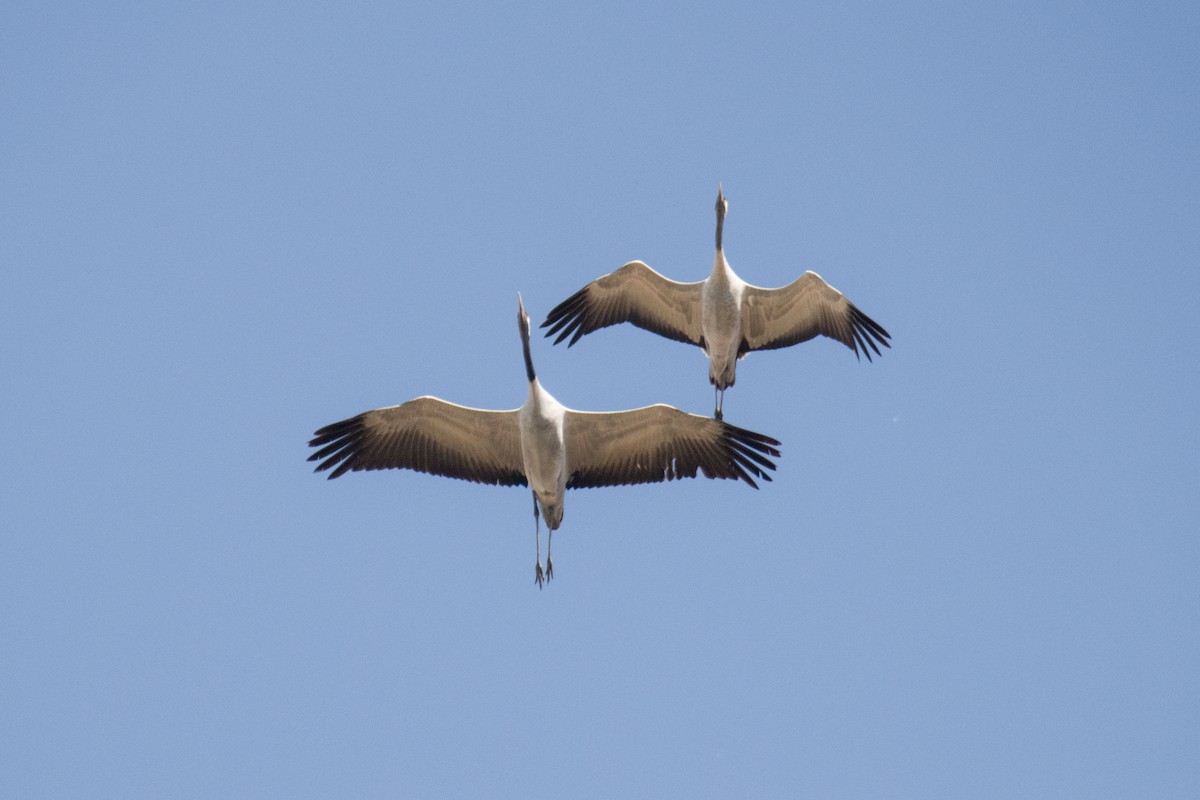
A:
[426,435]
[636,294]
[806,307]
[661,443]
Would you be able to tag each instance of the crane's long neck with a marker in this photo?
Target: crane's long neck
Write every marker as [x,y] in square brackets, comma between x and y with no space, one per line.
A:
[529,373]
[721,206]
[720,223]
[721,272]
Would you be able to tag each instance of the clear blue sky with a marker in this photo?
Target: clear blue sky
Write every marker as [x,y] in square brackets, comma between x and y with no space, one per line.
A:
[975,575]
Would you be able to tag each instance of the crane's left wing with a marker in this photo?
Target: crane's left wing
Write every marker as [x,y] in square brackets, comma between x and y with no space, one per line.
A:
[805,308]
[661,443]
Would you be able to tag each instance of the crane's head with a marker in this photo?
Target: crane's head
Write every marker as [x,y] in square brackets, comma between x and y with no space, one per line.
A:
[522,317]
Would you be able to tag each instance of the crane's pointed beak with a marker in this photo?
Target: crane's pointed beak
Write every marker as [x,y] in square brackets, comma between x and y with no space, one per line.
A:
[520,305]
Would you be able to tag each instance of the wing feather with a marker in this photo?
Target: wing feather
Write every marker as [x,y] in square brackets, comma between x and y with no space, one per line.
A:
[805,308]
[661,443]
[636,294]
[426,435]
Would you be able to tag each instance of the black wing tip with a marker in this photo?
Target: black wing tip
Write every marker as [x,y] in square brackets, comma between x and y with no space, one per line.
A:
[568,318]
[759,441]
[562,313]
[748,453]
[339,445]
[867,334]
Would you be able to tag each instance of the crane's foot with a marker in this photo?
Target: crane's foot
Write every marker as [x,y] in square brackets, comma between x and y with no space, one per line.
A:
[549,569]
[718,415]
[539,577]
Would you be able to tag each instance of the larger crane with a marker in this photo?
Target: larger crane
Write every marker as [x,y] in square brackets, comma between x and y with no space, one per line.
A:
[543,445]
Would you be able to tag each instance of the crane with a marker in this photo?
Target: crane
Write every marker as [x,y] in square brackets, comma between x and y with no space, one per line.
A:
[722,314]
[543,445]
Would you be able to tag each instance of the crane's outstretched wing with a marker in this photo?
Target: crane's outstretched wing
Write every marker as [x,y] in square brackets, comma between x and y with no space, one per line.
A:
[634,293]
[806,307]
[426,435]
[661,443]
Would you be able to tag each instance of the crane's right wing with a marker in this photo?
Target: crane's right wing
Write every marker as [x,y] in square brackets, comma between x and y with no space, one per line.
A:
[805,308]
[426,435]
[634,293]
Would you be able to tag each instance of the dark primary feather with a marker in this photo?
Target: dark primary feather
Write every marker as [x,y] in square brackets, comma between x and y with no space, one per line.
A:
[867,332]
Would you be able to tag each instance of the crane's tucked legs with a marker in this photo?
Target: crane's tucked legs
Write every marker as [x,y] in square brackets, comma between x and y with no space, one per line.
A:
[539,576]
[719,402]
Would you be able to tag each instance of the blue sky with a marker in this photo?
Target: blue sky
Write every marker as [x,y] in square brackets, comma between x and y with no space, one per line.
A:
[975,574]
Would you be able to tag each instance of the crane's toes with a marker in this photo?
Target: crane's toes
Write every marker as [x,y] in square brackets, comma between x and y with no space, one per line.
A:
[718,415]
[539,577]
[549,569]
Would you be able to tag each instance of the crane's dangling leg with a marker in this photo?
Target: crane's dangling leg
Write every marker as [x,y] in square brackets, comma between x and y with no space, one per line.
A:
[549,563]
[719,399]
[539,576]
